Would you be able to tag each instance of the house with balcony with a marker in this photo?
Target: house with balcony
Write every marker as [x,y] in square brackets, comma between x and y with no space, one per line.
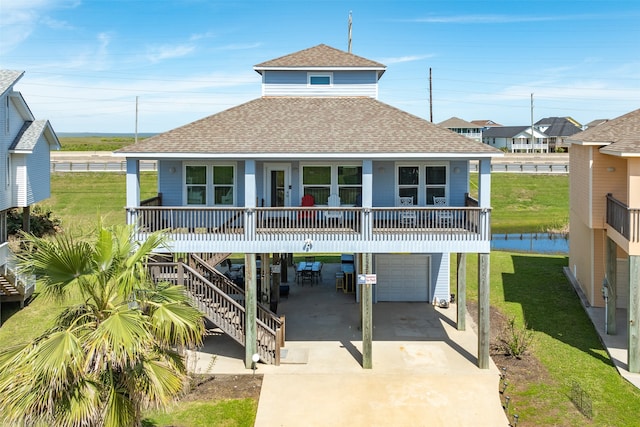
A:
[317,165]
[516,139]
[463,127]
[558,130]
[604,250]
[25,146]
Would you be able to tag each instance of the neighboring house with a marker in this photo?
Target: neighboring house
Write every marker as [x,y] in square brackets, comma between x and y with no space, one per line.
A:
[485,124]
[516,139]
[369,175]
[594,123]
[558,129]
[25,144]
[605,221]
[464,128]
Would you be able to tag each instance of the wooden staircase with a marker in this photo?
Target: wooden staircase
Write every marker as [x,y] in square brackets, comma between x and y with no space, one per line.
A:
[13,289]
[222,302]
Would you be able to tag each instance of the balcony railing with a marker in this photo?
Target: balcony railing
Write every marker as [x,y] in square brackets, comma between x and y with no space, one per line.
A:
[623,219]
[357,224]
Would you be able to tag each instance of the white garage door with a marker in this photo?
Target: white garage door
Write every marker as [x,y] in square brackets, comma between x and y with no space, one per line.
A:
[402,277]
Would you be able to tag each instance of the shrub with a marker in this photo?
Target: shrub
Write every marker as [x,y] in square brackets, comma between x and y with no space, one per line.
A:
[42,221]
[514,341]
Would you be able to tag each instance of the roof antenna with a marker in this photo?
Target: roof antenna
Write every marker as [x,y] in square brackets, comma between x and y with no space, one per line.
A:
[350,21]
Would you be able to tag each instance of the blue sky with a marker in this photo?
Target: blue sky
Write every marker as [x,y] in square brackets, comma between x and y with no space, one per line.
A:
[87,60]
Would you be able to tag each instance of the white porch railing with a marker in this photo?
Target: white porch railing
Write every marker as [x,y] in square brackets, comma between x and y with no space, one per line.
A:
[542,147]
[285,224]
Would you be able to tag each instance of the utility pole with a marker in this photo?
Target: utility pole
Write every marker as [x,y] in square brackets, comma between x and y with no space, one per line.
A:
[136,134]
[533,138]
[430,97]
[350,24]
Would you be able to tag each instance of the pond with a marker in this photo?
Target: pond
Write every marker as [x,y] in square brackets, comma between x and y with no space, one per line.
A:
[545,243]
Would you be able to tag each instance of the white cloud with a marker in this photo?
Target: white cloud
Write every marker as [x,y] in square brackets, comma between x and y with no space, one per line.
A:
[161,53]
[20,18]
[407,58]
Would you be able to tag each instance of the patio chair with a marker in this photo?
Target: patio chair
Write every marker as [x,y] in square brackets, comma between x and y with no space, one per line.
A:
[444,217]
[333,217]
[307,216]
[407,217]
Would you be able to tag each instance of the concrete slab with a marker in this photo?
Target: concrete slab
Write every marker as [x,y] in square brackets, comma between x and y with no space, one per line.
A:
[424,370]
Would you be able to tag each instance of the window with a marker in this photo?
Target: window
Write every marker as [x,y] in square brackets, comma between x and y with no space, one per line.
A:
[324,79]
[316,181]
[207,185]
[408,182]
[350,185]
[223,185]
[423,182]
[436,182]
[196,181]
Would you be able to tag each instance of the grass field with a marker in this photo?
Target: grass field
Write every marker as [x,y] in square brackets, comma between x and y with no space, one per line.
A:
[80,199]
[95,143]
[533,290]
[527,203]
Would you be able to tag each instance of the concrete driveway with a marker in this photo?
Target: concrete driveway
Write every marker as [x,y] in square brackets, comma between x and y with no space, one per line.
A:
[424,370]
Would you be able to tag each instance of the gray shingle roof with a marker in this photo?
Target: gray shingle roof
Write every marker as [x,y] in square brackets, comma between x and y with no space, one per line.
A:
[503,131]
[455,122]
[620,135]
[29,135]
[558,126]
[309,125]
[318,57]
[8,78]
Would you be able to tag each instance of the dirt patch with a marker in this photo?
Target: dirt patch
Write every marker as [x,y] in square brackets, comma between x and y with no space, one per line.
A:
[221,387]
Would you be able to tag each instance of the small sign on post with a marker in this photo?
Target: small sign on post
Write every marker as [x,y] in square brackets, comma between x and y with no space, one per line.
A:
[367,279]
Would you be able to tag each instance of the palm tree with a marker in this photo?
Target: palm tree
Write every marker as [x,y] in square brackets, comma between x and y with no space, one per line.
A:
[109,356]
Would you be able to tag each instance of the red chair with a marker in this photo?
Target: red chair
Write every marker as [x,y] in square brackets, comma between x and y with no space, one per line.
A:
[307,216]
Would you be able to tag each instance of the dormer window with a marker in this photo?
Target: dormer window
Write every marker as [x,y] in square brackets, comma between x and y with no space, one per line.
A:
[320,79]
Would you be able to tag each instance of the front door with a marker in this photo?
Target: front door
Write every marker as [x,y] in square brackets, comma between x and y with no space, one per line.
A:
[278,185]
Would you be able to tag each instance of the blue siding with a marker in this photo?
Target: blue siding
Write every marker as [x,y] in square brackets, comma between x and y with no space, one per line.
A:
[339,77]
[440,288]
[384,184]
[170,184]
[458,182]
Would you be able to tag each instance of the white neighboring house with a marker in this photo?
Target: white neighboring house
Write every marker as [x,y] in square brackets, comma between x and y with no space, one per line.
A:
[464,128]
[516,139]
[25,145]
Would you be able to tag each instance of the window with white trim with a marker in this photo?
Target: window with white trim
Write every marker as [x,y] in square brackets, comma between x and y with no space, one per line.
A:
[409,182]
[423,182]
[350,185]
[435,182]
[316,181]
[209,185]
[196,184]
[323,181]
[319,79]
[223,180]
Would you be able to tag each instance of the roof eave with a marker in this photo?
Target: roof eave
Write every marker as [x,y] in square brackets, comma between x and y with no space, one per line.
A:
[309,156]
[586,143]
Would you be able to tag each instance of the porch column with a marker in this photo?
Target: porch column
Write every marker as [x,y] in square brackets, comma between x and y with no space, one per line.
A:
[461,292]
[484,183]
[274,297]
[26,219]
[251,309]
[611,279]
[633,357]
[133,182]
[367,314]
[249,200]
[265,278]
[367,199]
[483,311]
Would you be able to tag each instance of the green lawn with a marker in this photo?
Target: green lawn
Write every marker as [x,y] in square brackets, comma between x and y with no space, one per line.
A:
[523,203]
[81,198]
[534,290]
[95,143]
